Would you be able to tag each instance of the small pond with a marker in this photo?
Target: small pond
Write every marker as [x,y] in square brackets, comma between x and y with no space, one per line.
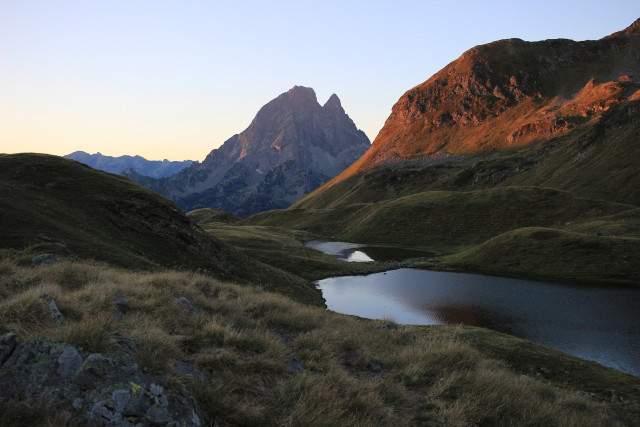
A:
[592,322]
[356,252]
[341,250]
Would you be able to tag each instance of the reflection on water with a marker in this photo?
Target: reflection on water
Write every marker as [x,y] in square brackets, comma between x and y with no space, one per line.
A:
[341,250]
[347,251]
[596,323]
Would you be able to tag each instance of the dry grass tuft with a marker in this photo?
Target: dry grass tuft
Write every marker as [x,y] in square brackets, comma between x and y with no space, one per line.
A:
[356,372]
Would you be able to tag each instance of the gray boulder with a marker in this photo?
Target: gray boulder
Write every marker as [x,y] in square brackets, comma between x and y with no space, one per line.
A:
[56,315]
[187,306]
[44,260]
[94,388]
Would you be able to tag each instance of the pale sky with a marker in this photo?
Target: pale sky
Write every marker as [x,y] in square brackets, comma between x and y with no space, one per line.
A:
[175,79]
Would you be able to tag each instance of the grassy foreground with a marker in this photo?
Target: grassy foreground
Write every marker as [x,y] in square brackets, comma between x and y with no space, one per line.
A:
[356,371]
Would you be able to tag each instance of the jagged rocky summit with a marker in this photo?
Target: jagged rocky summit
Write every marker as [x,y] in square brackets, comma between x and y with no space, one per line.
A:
[142,166]
[292,146]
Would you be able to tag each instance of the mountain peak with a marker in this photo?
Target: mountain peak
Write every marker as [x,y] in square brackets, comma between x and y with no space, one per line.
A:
[301,92]
[333,102]
[631,30]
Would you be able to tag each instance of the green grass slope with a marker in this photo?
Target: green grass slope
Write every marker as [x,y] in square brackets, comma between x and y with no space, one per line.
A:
[552,254]
[601,163]
[211,215]
[444,220]
[53,205]
[489,231]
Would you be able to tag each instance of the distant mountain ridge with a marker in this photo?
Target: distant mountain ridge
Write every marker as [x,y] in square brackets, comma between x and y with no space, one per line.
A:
[152,168]
[292,146]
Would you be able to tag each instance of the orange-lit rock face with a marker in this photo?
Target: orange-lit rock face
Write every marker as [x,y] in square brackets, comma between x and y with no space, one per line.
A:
[508,93]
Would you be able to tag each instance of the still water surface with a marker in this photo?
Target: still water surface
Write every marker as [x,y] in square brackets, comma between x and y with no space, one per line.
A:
[591,322]
[341,250]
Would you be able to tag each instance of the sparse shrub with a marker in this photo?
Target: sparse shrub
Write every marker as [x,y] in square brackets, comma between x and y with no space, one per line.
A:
[92,333]
[25,313]
[209,335]
[155,347]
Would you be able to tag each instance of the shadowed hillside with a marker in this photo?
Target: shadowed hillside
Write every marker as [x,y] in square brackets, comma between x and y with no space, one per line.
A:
[53,205]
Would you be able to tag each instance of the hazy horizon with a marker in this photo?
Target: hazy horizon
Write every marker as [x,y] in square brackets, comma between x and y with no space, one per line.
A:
[173,81]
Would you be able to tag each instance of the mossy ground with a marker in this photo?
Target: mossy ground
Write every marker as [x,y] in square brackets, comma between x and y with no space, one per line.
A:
[356,371]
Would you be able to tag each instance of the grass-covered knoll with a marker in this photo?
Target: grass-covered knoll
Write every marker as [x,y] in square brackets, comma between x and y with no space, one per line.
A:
[356,371]
[553,254]
[444,220]
[53,205]
[211,215]
[490,231]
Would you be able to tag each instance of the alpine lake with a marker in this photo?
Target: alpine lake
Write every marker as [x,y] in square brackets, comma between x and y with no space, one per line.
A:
[599,323]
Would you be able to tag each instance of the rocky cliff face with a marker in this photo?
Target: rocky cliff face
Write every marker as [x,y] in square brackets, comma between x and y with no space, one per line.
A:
[142,166]
[291,147]
[508,94]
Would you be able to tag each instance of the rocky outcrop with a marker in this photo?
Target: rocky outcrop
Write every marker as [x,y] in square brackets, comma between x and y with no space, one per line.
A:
[151,168]
[291,147]
[90,388]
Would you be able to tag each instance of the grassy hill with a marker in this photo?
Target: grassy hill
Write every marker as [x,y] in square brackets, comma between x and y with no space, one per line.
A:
[585,181]
[347,371]
[53,205]
[491,227]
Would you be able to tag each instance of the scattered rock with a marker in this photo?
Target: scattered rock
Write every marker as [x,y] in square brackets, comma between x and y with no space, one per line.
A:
[44,260]
[92,388]
[69,362]
[540,377]
[122,305]
[189,370]
[392,327]
[56,315]
[374,367]
[118,316]
[262,387]
[7,343]
[615,397]
[187,306]
[124,344]
[293,364]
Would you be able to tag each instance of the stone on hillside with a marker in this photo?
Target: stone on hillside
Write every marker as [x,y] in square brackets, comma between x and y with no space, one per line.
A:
[293,364]
[44,260]
[187,306]
[92,388]
[122,305]
[56,315]
[374,367]
[189,370]
[7,343]
[124,344]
